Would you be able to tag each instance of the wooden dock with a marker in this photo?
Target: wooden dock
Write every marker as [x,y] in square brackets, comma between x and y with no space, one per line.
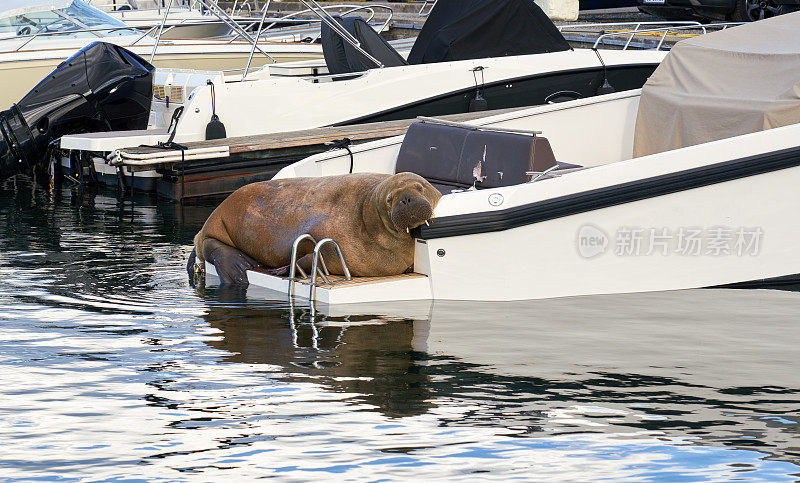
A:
[249,159]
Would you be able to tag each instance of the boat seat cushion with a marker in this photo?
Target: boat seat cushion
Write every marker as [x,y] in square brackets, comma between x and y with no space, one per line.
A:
[452,157]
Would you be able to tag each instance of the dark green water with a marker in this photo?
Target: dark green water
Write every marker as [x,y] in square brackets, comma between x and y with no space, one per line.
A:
[113,368]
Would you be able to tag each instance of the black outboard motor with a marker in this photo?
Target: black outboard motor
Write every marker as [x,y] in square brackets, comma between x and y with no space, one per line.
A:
[103,87]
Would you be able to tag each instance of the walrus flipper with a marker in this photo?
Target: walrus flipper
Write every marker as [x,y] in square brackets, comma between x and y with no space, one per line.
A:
[231,264]
[191,263]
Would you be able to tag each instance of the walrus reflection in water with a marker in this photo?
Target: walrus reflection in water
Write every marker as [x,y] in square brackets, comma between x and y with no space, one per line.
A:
[368,214]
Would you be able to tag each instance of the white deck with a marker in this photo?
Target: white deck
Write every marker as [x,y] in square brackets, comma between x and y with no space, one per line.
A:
[360,290]
[109,141]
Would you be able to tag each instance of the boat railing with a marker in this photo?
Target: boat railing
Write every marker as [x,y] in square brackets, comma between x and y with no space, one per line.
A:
[326,17]
[348,9]
[634,25]
[663,33]
[241,9]
[160,31]
[98,31]
[318,265]
[116,7]
[294,266]
[112,5]
[249,22]
[182,3]
[213,8]
[250,10]
[241,71]
[623,33]
[151,29]
[422,12]
[255,41]
[315,265]
[28,38]
[477,127]
[182,6]
[333,77]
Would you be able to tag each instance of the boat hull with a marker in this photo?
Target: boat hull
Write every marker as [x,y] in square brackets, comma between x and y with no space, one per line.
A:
[548,259]
[20,76]
[281,103]
[721,213]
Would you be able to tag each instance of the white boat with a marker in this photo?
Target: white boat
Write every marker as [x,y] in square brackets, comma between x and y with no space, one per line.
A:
[37,35]
[437,78]
[203,19]
[689,182]
[183,22]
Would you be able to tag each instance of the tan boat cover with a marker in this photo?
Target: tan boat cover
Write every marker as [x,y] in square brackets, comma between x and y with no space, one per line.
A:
[723,84]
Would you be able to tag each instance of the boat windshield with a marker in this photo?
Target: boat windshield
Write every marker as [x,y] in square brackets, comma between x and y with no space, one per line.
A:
[72,22]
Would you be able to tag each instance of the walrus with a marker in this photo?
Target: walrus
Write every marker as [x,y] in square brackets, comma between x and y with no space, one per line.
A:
[368,214]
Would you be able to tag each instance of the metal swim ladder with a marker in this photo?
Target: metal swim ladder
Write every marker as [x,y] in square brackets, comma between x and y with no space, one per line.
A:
[318,265]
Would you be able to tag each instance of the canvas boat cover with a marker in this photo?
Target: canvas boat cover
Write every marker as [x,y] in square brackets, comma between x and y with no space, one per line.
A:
[475,29]
[341,57]
[723,84]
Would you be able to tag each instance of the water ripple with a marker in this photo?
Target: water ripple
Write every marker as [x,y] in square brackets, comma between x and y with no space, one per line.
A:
[113,367]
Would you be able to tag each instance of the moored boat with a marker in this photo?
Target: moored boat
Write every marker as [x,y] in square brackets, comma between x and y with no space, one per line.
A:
[36,36]
[690,182]
[469,56]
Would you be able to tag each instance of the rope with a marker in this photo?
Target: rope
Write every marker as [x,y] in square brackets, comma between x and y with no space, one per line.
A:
[171,144]
[343,144]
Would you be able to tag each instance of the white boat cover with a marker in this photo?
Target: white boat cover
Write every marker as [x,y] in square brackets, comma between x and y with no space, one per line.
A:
[12,8]
[723,84]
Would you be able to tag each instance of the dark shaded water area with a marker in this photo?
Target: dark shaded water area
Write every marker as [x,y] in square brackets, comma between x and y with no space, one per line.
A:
[114,368]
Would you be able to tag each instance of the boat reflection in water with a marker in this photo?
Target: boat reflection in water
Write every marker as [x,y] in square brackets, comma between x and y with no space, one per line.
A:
[112,366]
[670,366]
[360,354]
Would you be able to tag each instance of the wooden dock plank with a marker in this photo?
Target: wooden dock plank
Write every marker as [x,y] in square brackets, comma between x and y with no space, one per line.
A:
[356,132]
[258,158]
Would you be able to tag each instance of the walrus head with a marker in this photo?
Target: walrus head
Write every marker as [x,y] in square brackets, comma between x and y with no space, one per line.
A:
[408,200]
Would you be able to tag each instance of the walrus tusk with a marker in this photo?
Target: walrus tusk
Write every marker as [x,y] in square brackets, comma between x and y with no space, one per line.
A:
[407,230]
[426,223]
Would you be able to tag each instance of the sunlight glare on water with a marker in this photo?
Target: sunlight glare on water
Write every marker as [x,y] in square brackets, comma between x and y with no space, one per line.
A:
[113,367]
